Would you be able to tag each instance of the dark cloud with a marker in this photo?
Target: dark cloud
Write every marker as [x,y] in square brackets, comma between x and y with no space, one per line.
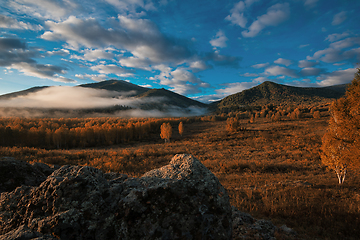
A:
[223,60]
[140,37]
[11,43]
[15,54]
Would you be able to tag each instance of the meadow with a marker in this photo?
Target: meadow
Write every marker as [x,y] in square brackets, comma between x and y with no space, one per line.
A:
[270,168]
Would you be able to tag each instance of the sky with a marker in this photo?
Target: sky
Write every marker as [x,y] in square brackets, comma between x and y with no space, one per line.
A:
[205,50]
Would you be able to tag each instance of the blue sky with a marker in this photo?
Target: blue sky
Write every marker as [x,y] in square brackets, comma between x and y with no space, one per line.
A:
[201,49]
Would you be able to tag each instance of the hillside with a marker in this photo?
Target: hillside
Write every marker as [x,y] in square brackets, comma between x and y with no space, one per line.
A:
[21,93]
[124,96]
[169,98]
[116,85]
[277,94]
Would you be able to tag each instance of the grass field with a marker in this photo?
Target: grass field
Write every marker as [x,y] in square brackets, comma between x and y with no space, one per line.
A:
[271,170]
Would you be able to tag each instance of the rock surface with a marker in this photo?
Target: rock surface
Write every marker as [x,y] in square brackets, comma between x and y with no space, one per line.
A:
[15,173]
[182,200]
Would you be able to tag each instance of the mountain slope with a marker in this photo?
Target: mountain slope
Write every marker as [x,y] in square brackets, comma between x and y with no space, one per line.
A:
[116,85]
[124,96]
[273,93]
[21,93]
[169,98]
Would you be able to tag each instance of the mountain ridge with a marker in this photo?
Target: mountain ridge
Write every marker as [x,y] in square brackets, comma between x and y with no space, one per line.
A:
[273,93]
[265,93]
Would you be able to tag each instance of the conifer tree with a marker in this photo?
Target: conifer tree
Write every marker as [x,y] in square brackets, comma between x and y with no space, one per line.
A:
[341,142]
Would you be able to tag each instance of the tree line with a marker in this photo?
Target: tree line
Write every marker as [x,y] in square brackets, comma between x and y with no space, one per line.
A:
[76,132]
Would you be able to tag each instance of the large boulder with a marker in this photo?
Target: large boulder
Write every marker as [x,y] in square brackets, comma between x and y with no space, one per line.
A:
[182,200]
[14,173]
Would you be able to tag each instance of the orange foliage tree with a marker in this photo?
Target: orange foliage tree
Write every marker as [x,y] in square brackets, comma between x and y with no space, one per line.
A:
[341,143]
[166,131]
[181,128]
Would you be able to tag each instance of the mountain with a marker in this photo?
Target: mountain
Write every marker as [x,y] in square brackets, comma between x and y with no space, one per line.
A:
[127,96]
[273,93]
[169,98]
[117,85]
[165,100]
[21,93]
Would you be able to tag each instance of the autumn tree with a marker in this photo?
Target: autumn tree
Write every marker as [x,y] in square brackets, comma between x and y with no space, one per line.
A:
[341,143]
[181,128]
[317,114]
[166,131]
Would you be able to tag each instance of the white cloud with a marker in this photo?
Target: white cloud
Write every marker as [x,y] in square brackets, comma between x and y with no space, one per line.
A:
[94,54]
[306,64]
[335,37]
[277,71]
[310,71]
[135,62]
[42,71]
[337,77]
[339,18]
[132,5]
[275,15]
[198,65]
[304,45]
[139,37]
[237,16]
[48,9]
[339,51]
[112,69]
[219,40]
[260,65]
[180,80]
[250,75]
[346,43]
[8,22]
[232,88]
[60,52]
[94,77]
[310,3]
[283,61]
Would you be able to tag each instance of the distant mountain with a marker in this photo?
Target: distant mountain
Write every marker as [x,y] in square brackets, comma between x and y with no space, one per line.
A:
[273,93]
[140,98]
[165,100]
[169,98]
[21,93]
[117,85]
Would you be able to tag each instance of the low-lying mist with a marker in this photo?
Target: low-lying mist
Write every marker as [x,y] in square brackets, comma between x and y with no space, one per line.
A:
[62,101]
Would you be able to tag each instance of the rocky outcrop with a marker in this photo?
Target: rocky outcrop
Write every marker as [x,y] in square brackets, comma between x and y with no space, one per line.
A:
[182,200]
[15,173]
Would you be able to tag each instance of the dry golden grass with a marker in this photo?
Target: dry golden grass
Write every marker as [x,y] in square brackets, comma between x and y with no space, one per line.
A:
[271,170]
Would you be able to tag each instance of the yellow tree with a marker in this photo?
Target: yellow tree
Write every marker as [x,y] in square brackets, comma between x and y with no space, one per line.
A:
[166,131]
[181,128]
[341,143]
